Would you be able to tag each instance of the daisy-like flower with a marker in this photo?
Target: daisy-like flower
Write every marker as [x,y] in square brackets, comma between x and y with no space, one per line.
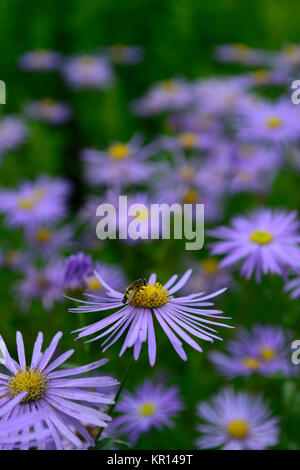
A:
[63,401]
[169,95]
[124,54]
[13,133]
[49,111]
[236,421]
[264,350]
[208,276]
[40,60]
[179,317]
[241,54]
[120,164]
[266,241]
[273,123]
[49,239]
[35,203]
[87,71]
[150,406]
[45,283]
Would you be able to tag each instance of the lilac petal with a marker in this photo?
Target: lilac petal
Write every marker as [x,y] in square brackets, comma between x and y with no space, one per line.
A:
[12,403]
[21,350]
[77,370]
[181,282]
[49,351]
[60,360]
[37,350]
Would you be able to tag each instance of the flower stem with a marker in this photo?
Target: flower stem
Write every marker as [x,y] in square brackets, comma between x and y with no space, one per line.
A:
[121,386]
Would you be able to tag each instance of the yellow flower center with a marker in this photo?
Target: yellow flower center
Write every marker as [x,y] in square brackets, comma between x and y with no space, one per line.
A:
[267,354]
[93,283]
[246,150]
[119,150]
[147,409]
[191,197]
[142,215]
[152,296]
[262,237]
[274,122]
[48,102]
[238,429]
[86,60]
[260,76]
[251,363]
[187,172]
[210,265]
[188,139]
[30,380]
[27,203]
[43,235]
[169,85]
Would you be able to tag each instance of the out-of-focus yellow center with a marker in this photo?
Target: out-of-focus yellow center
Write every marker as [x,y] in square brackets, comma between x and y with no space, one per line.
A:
[262,237]
[30,380]
[26,203]
[43,235]
[238,429]
[86,60]
[48,102]
[261,76]
[188,139]
[251,363]
[210,265]
[169,85]
[267,354]
[93,283]
[152,296]
[119,150]
[274,122]
[191,197]
[187,172]
[147,409]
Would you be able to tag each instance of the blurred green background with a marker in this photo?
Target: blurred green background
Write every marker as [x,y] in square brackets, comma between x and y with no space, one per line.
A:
[178,37]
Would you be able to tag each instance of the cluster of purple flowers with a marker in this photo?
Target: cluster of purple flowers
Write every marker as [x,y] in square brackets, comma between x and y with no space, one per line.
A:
[223,138]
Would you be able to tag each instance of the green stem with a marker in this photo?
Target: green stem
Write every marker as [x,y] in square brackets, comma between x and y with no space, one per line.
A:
[112,406]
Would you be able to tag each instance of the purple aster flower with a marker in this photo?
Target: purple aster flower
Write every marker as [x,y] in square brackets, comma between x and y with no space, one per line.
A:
[178,316]
[64,402]
[208,276]
[274,123]
[40,60]
[13,133]
[124,54]
[169,95]
[49,111]
[151,406]
[44,283]
[121,164]
[241,54]
[266,241]
[35,203]
[49,239]
[88,71]
[236,421]
[264,350]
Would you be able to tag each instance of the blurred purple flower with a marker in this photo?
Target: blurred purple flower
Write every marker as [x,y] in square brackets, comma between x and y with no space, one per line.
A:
[151,406]
[13,133]
[86,71]
[35,203]
[264,350]
[49,111]
[236,421]
[40,60]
